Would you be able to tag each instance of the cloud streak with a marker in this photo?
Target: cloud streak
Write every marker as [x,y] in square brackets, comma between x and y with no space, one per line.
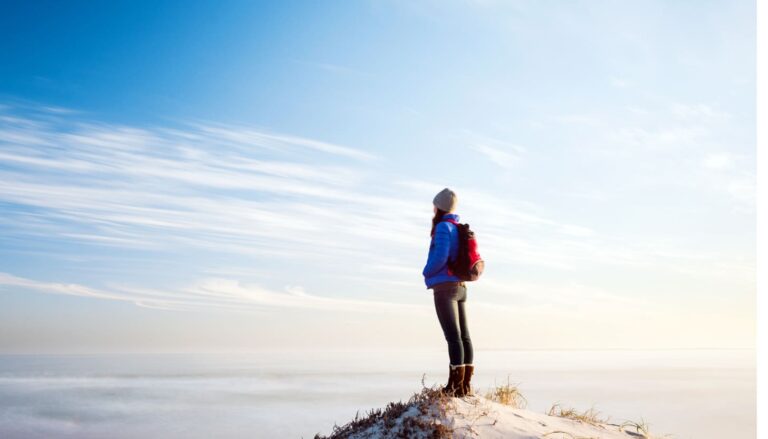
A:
[502,154]
[207,294]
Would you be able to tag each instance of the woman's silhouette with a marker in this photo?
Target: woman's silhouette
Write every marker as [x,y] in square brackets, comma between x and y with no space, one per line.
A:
[450,293]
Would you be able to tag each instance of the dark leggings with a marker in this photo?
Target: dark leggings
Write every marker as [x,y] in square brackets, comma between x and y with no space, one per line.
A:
[449,304]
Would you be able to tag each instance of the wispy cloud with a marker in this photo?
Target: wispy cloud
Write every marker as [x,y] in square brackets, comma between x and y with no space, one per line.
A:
[504,154]
[697,111]
[209,293]
[660,142]
[244,136]
[721,160]
[333,68]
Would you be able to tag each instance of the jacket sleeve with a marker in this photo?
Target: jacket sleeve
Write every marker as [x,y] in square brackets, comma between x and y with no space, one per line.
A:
[440,250]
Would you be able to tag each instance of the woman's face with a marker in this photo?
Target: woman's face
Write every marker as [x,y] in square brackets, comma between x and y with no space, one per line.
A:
[434,209]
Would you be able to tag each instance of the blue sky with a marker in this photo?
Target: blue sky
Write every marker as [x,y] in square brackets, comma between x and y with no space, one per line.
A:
[193,176]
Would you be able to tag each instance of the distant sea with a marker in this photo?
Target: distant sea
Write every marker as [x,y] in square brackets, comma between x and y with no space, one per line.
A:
[687,393]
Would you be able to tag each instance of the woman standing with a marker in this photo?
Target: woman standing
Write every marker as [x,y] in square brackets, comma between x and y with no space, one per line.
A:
[450,293]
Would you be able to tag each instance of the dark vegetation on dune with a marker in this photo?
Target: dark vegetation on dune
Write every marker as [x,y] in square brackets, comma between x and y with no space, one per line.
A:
[425,423]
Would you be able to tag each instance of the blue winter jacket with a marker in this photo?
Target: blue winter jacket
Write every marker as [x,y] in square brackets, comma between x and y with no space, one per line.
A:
[444,245]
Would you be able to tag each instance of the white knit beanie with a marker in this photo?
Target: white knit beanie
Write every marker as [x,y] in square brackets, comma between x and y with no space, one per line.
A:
[445,200]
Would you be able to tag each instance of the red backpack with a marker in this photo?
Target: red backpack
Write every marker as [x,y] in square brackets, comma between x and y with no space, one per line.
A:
[468,265]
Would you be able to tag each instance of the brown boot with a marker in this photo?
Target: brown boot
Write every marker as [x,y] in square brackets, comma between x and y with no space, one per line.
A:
[466,388]
[455,380]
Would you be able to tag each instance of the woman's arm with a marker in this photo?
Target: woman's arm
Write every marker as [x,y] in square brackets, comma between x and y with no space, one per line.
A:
[438,254]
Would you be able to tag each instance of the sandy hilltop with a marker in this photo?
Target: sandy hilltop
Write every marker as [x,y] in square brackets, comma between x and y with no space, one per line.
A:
[499,413]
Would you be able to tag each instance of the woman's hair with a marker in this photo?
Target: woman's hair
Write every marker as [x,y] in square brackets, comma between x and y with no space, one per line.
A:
[436,220]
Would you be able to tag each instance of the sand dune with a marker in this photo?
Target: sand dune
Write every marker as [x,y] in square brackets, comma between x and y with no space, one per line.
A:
[429,414]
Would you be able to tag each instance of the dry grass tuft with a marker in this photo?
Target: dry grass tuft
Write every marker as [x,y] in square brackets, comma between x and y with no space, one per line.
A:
[641,428]
[507,394]
[590,416]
